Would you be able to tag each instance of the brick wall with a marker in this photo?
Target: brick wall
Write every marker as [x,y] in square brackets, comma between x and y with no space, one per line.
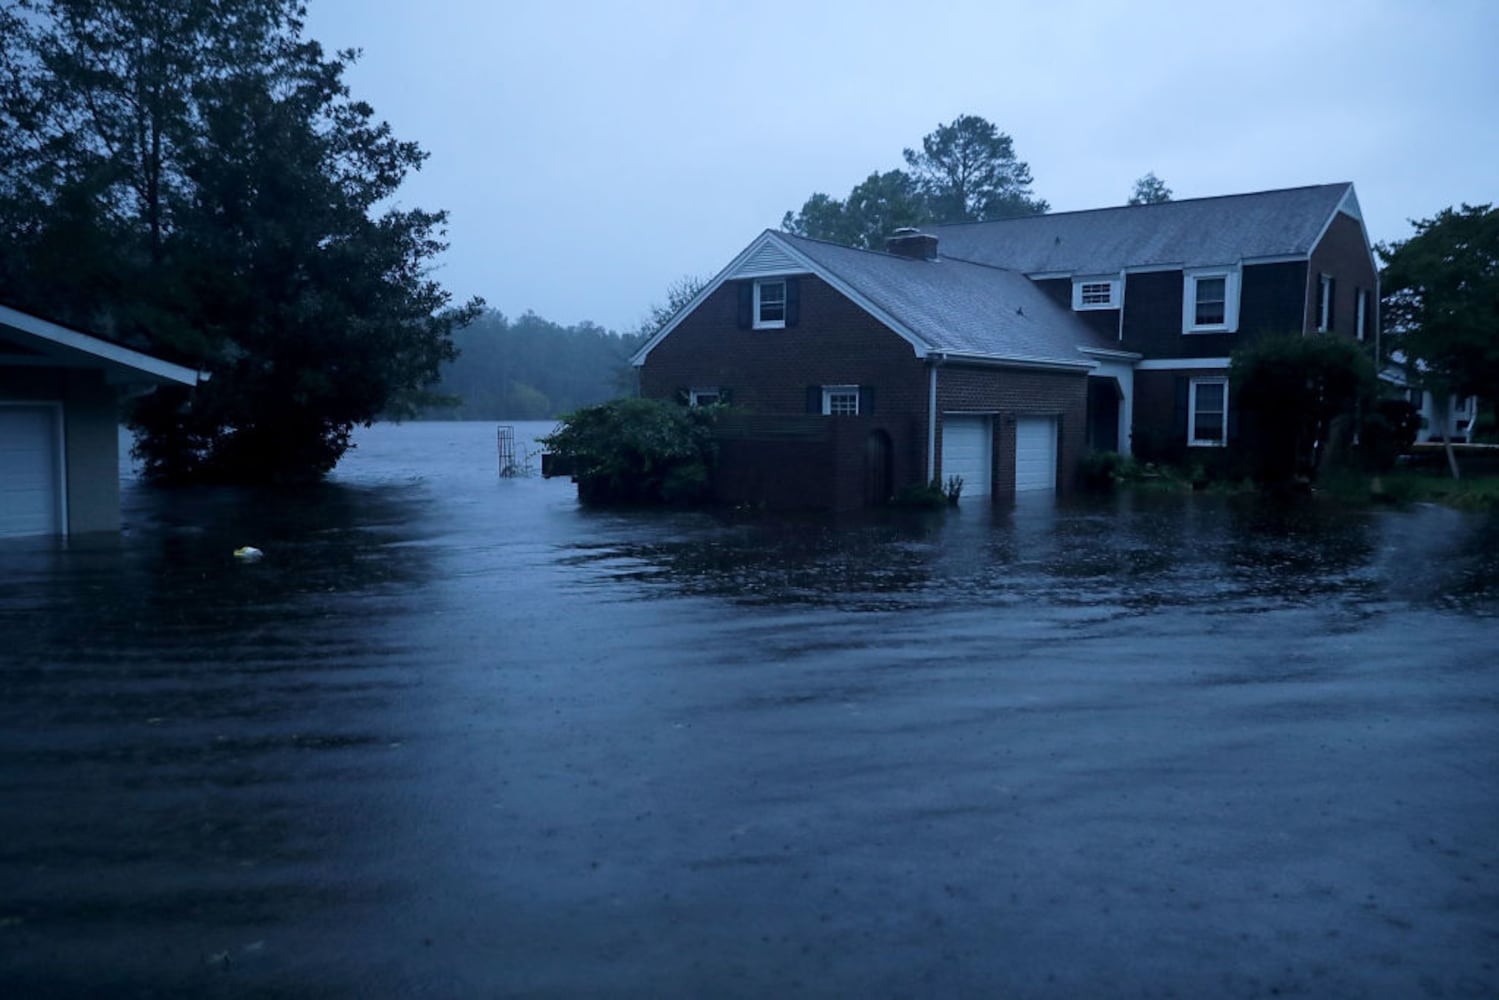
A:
[1344,255]
[768,371]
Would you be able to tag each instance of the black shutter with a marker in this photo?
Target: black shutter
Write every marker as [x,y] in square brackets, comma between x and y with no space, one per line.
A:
[1321,296]
[1332,301]
[814,399]
[866,399]
[746,304]
[1180,418]
[1231,429]
[793,301]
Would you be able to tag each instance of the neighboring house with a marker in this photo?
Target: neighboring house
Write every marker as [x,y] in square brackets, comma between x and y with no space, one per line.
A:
[59,424]
[1003,351]
[1461,417]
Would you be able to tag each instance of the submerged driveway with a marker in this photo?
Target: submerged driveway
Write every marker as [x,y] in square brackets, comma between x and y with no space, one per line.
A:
[455,736]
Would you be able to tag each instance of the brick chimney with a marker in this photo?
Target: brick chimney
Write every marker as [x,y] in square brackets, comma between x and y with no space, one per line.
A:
[913,243]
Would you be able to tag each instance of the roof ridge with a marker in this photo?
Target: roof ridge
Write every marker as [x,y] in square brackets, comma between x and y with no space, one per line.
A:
[1117,208]
[887,255]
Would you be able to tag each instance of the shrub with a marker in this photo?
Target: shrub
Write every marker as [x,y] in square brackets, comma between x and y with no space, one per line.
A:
[1290,390]
[1387,432]
[1100,470]
[638,451]
[928,496]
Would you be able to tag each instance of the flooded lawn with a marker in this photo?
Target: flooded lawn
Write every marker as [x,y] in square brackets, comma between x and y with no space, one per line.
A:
[456,736]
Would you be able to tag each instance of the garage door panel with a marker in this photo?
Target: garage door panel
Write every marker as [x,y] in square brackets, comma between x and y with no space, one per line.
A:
[1035,454]
[30,487]
[967,451]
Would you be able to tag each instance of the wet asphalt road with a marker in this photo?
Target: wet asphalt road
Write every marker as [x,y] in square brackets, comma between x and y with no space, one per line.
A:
[457,737]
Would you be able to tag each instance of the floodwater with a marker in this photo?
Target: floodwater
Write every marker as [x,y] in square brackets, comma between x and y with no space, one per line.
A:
[456,736]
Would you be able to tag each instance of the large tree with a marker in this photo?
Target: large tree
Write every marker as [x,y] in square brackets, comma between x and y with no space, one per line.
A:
[881,204]
[966,171]
[193,177]
[1149,190]
[1441,301]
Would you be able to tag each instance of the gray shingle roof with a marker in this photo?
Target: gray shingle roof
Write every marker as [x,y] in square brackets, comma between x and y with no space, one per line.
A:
[959,307]
[1191,233]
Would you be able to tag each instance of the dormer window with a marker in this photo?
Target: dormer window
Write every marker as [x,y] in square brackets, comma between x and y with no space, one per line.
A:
[770,304]
[1095,293]
[1210,301]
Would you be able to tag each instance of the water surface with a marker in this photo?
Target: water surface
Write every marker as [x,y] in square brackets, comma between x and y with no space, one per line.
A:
[455,735]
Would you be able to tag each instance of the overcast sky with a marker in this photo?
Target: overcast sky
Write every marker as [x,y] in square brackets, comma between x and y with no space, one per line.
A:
[591,153]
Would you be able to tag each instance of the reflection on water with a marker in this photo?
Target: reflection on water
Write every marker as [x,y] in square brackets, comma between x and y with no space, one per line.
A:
[1133,552]
[455,734]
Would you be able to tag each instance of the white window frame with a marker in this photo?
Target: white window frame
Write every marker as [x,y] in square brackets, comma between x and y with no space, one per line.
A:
[830,391]
[1079,303]
[695,396]
[769,324]
[1192,439]
[1325,295]
[1230,276]
[1362,312]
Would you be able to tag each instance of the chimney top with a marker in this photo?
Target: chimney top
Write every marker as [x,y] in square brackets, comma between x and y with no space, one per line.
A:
[908,241]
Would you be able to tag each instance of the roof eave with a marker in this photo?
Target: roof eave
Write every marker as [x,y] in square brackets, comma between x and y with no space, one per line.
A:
[122,364]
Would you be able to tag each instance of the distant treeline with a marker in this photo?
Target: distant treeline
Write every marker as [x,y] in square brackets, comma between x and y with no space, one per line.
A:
[532,369]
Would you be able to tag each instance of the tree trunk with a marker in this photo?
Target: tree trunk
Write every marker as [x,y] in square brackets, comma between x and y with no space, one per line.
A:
[1442,409]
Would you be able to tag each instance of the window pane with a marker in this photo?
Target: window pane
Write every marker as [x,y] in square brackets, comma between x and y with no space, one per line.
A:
[1209,427]
[1210,396]
[843,404]
[1210,289]
[1209,313]
[772,301]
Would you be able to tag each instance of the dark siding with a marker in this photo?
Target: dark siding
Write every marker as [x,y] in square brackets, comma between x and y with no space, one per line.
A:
[1153,314]
[1059,289]
[1272,299]
[1105,322]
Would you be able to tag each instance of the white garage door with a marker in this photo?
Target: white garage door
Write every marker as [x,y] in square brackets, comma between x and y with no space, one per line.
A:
[1035,454]
[967,451]
[30,487]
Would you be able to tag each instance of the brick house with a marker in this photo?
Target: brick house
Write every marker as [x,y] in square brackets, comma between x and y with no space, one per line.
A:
[1003,351]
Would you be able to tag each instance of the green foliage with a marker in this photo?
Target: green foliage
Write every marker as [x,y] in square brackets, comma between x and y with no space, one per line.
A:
[921,496]
[953,489]
[872,211]
[193,178]
[965,171]
[1441,302]
[530,369]
[1100,471]
[1388,430]
[1289,390]
[968,172]
[1149,190]
[638,451]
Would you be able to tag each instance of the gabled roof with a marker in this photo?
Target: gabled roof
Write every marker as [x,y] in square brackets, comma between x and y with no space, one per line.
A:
[941,307]
[27,340]
[959,308]
[1190,233]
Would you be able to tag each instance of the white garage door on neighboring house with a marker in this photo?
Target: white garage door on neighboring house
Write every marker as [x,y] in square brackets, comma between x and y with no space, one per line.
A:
[30,467]
[967,451]
[1035,454]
